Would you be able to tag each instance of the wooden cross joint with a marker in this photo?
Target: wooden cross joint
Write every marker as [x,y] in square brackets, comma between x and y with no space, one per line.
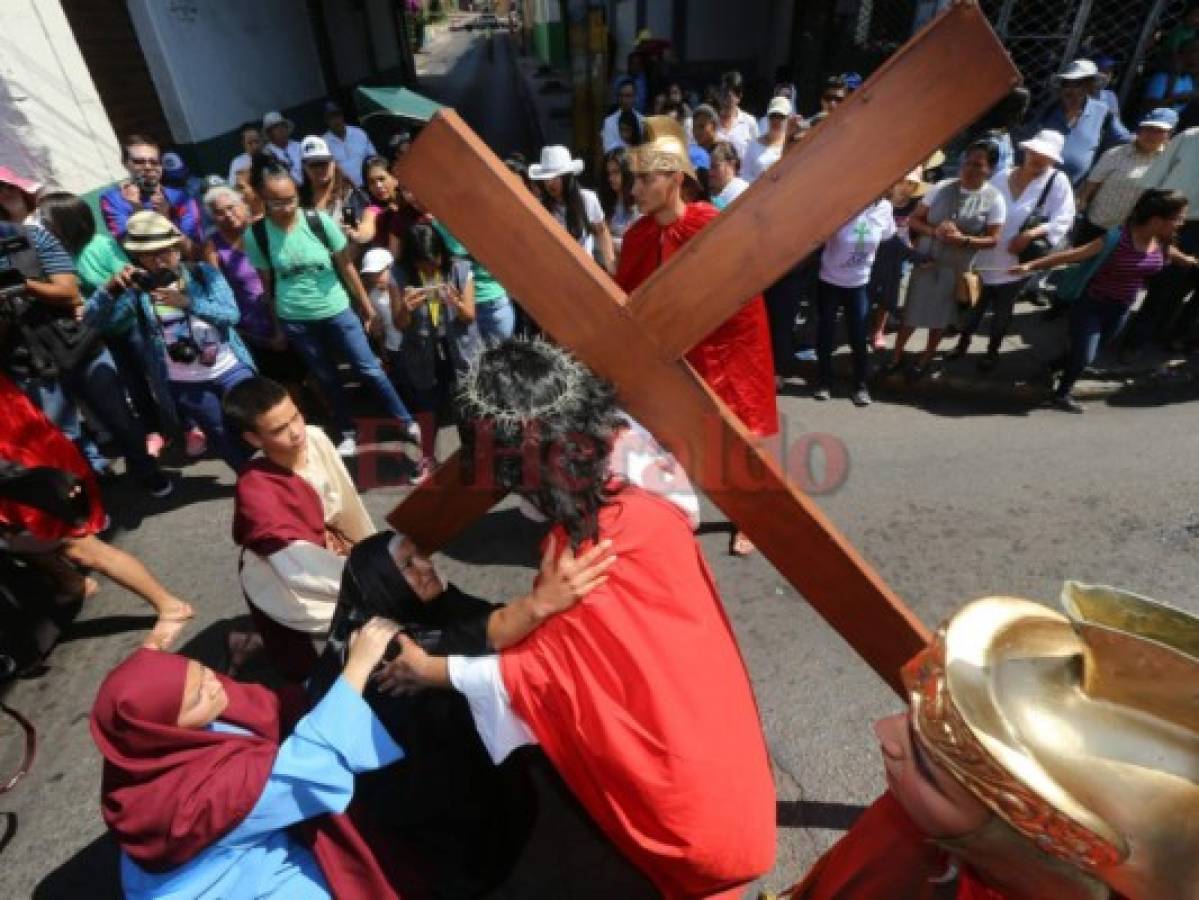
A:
[915,103]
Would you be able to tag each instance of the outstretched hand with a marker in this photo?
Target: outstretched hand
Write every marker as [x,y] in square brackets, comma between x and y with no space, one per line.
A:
[367,646]
[565,580]
[412,668]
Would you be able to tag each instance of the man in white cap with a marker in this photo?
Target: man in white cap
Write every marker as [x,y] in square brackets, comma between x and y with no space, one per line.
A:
[1087,123]
[1176,169]
[349,144]
[766,150]
[1114,184]
[280,145]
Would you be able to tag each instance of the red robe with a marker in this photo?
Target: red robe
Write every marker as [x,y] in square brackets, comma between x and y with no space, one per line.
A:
[735,360]
[640,698]
[884,856]
[29,438]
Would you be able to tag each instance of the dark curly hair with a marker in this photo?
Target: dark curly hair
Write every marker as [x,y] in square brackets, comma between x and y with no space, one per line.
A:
[547,423]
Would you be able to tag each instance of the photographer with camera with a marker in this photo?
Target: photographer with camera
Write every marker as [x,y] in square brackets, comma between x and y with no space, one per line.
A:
[57,359]
[144,190]
[186,313]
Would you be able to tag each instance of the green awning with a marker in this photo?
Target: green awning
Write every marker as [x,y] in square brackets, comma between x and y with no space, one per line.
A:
[394,101]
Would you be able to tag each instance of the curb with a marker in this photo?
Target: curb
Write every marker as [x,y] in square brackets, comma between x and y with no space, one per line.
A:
[955,386]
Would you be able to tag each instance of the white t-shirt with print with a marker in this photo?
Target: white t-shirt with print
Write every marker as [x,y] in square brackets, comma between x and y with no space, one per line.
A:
[174,324]
[849,254]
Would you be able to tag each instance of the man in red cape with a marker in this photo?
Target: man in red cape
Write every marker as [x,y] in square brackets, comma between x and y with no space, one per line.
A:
[735,360]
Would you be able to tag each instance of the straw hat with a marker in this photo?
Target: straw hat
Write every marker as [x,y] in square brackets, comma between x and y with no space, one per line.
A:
[917,175]
[555,161]
[148,231]
[664,148]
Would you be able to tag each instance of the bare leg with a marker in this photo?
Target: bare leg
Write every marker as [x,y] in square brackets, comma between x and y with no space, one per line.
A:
[878,326]
[742,545]
[930,349]
[901,340]
[125,570]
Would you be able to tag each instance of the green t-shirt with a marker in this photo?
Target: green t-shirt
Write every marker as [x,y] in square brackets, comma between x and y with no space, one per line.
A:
[307,286]
[487,289]
[97,262]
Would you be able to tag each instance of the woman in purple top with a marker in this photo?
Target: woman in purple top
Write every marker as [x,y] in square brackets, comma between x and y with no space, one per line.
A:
[1123,262]
[225,250]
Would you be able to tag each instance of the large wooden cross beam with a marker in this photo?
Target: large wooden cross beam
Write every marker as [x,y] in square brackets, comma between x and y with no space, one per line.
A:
[946,76]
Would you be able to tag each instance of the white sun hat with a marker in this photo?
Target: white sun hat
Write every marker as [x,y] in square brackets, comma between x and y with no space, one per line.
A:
[1047,142]
[555,160]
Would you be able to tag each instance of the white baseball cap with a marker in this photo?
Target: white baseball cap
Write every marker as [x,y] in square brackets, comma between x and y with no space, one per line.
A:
[377,259]
[779,106]
[314,149]
[1078,70]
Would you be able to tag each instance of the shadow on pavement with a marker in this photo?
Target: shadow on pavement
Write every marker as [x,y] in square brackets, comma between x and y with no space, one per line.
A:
[503,538]
[93,872]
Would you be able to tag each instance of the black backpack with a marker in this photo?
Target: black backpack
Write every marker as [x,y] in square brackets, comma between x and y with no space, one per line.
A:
[263,238]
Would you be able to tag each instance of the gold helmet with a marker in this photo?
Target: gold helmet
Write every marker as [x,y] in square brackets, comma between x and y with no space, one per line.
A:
[1080,732]
[663,148]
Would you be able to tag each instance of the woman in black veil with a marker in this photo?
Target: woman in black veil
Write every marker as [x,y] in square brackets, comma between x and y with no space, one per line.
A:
[465,819]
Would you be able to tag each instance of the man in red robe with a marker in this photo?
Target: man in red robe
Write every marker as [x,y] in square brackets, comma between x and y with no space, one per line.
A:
[638,695]
[735,360]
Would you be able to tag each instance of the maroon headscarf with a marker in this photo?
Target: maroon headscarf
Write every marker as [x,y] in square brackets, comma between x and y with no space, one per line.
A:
[168,793]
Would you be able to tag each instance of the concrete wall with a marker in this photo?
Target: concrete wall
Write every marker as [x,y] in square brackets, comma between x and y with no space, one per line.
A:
[52,124]
[217,63]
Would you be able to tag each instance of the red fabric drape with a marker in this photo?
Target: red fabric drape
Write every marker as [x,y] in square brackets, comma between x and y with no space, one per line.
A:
[168,792]
[274,507]
[29,438]
[640,698]
[735,360]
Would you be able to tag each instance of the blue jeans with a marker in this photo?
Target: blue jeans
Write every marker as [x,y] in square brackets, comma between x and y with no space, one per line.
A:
[97,384]
[496,320]
[129,353]
[320,342]
[201,402]
[856,303]
[1092,323]
[782,306]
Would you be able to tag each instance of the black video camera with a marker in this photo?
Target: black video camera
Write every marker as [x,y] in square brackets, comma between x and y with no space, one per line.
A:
[151,281]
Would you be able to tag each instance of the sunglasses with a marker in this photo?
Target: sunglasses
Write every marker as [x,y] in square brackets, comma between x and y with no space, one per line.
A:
[145,161]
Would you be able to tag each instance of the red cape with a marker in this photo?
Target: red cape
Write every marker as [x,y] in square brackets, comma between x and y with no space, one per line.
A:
[884,856]
[735,360]
[29,438]
[640,698]
[168,792]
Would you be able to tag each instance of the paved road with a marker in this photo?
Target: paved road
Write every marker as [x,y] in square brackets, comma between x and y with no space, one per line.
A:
[949,502]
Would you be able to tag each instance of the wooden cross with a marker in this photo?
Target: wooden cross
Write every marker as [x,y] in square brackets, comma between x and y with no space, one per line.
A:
[947,75]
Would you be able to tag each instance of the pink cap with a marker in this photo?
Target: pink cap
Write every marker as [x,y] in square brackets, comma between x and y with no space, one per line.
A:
[26,185]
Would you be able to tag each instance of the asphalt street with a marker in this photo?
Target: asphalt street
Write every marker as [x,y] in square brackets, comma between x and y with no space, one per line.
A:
[949,501]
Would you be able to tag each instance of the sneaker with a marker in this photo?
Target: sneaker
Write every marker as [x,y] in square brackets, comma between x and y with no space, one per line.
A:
[806,355]
[412,432]
[155,443]
[196,444]
[861,397]
[821,393]
[348,446]
[158,485]
[1066,403]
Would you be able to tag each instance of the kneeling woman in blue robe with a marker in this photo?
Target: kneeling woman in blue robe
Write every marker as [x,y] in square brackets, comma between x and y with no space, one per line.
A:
[210,795]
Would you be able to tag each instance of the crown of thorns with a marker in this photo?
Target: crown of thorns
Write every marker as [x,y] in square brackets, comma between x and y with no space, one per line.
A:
[565,372]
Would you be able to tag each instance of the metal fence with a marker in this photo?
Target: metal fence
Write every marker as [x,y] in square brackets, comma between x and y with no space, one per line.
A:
[1041,35]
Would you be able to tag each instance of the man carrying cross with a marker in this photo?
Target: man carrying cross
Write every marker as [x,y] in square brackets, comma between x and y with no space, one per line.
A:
[735,359]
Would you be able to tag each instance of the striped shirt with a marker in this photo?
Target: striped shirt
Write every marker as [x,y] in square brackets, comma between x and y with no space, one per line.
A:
[1126,271]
